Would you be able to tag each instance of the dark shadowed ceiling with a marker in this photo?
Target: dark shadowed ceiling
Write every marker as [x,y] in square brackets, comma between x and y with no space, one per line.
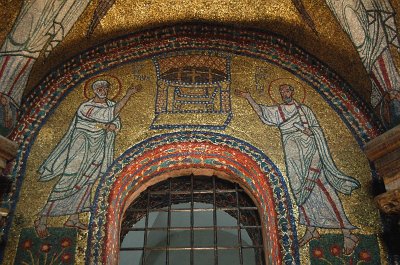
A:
[330,44]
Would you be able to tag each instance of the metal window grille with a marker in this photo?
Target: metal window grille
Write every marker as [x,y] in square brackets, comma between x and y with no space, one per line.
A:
[192,220]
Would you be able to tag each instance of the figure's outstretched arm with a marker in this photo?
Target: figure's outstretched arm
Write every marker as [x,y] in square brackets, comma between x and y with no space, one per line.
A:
[251,100]
[120,104]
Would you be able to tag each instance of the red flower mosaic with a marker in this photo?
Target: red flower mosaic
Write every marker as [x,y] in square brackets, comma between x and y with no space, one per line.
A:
[318,253]
[66,258]
[27,244]
[45,248]
[365,256]
[335,250]
[66,242]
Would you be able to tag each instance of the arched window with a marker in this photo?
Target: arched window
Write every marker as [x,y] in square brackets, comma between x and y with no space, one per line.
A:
[192,220]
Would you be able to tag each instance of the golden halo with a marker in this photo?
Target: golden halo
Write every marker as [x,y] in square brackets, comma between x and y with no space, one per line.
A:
[275,95]
[115,86]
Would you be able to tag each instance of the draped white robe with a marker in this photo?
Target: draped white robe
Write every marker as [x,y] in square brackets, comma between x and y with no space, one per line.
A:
[313,176]
[83,154]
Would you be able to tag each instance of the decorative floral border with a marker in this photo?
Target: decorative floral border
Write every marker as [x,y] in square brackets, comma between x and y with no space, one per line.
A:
[58,248]
[45,98]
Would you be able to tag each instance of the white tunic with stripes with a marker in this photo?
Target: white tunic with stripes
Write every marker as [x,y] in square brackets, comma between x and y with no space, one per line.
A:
[83,154]
[313,177]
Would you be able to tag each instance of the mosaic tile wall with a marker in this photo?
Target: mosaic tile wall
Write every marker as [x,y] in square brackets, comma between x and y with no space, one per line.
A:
[243,104]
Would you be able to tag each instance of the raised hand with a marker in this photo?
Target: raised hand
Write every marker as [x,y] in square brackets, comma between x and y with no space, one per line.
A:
[394,95]
[3,100]
[134,89]
[308,131]
[243,94]
[111,127]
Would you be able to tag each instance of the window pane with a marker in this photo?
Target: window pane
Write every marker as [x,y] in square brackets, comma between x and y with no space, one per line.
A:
[249,256]
[203,257]
[203,218]
[204,238]
[156,238]
[228,256]
[209,231]
[179,238]
[158,219]
[130,257]
[226,218]
[228,238]
[251,237]
[133,239]
[156,257]
[138,220]
[180,219]
[203,204]
[179,257]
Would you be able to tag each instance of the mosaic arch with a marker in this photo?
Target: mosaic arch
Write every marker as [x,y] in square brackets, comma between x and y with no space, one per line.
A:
[46,97]
[177,154]
[149,44]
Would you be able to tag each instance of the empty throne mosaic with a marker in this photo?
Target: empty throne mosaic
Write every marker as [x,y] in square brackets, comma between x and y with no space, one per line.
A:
[193,91]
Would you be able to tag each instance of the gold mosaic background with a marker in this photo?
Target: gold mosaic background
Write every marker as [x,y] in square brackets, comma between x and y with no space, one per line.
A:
[278,16]
[137,117]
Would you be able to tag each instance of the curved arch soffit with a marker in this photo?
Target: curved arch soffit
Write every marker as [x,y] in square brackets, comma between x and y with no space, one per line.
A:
[182,153]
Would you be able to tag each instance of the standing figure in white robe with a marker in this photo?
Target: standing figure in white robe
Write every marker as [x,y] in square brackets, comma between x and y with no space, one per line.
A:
[313,176]
[83,154]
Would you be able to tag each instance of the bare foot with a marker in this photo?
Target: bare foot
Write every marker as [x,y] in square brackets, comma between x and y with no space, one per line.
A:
[75,224]
[41,229]
[350,242]
[309,235]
